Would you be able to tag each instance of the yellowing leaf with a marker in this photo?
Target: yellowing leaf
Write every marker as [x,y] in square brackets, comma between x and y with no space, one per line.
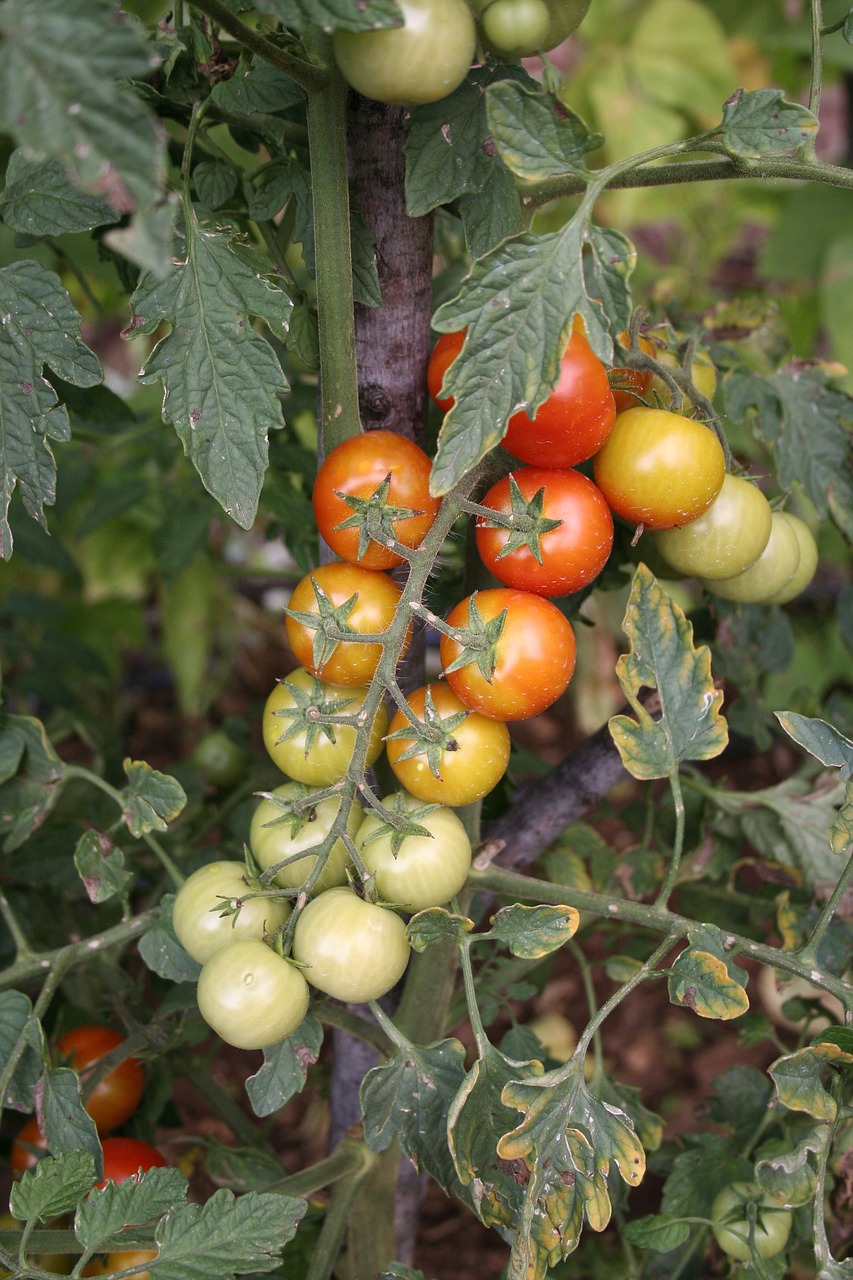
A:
[797,1077]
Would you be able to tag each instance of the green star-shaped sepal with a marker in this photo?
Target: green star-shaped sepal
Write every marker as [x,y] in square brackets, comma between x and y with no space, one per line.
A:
[330,624]
[374,517]
[398,821]
[479,641]
[293,810]
[432,735]
[528,522]
[307,715]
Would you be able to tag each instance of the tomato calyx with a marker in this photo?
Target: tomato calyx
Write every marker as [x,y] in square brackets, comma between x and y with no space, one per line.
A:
[312,714]
[294,813]
[374,517]
[525,521]
[399,821]
[329,624]
[431,736]
[479,641]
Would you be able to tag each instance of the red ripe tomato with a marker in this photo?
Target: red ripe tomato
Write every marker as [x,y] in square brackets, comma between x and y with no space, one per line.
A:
[527,665]
[127,1158]
[660,469]
[575,420]
[571,555]
[29,1135]
[115,1097]
[443,354]
[350,488]
[355,599]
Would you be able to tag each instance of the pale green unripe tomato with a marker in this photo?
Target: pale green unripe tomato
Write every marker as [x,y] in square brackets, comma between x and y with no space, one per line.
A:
[425,871]
[726,540]
[197,912]
[276,834]
[250,995]
[352,949]
[772,571]
[422,61]
[730,1215]
[807,567]
[516,28]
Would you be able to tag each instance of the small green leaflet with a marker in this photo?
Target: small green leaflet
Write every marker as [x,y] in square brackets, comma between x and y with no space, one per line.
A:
[798,1078]
[67,1124]
[659,1231]
[54,1186]
[38,200]
[760,122]
[536,136]
[38,327]
[108,1210]
[532,932]
[221,377]
[100,865]
[826,744]
[227,1235]
[436,924]
[663,657]
[703,978]
[285,1068]
[17,1023]
[256,88]
[328,14]
[152,799]
[162,952]
[790,1175]
[34,778]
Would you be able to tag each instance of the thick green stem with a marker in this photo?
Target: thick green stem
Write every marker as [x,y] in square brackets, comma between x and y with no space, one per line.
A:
[75,953]
[336,1221]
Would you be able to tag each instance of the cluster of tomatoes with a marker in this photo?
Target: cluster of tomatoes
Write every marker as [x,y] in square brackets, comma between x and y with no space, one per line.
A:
[112,1101]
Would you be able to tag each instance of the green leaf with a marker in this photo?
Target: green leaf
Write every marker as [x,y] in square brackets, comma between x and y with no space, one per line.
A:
[220,375]
[162,952]
[760,122]
[657,1231]
[532,932]
[703,978]
[408,1098]
[789,1175]
[829,746]
[38,326]
[67,1124]
[535,135]
[100,865]
[663,657]
[27,797]
[54,1186]
[64,67]
[17,1022]
[518,304]
[436,924]
[700,1172]
[799,1083]
[215,182]
[491,214]
[328,14]
[152,799]
[106,1211]
[256,88]
[840,1036]
[285,1068]
[806,423]
[567,1142]
[38,200]
[241,1168]
[227,1236]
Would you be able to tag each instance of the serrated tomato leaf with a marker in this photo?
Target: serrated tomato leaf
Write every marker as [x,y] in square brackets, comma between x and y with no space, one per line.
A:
[328,14]
[799,1078]
[532,932]
[536,136]
[152,799]
[285,1068]
[759,122]
[54,1186]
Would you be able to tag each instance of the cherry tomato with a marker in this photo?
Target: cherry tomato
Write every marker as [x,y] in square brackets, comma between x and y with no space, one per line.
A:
[29,1135]
[525,668]
[251,996]
[575,420]
[731,1226]
[114,1098]
[347,597]
[221,760]
[468,761]
[317,754]
[276,833]
[659,469]
[565,17]
[806,566]
[352,475]
[445,351]
[727,539]
[128,1157]
[354,950]
[415,871]
[130,1258]
[516,28]
[572,554]
[198,913]
[770,573]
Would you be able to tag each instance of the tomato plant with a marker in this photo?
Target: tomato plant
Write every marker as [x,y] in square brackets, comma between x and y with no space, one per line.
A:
[117,1095]
[312,750]
[659,469]
[747,1223]
[250,995]
[423,860]
[563,537]
[351,949]
[283,826]
[456,756]
[574,421]
[128,1157]
[516,657]
[329,609]
[421,61]
[726,539]
[371,490]
[201,914]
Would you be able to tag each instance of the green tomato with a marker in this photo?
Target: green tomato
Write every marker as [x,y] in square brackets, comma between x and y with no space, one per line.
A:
[352,949]
[316,754]
[516,28]
[415,871]
[220,759]
[251,996]
[422,61]
[277,833]
[807,566]
[564,17]
[772,571]
[726,540]
[730,1213]
[197,913]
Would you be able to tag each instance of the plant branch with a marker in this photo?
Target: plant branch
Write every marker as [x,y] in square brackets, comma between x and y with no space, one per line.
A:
[310,75]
